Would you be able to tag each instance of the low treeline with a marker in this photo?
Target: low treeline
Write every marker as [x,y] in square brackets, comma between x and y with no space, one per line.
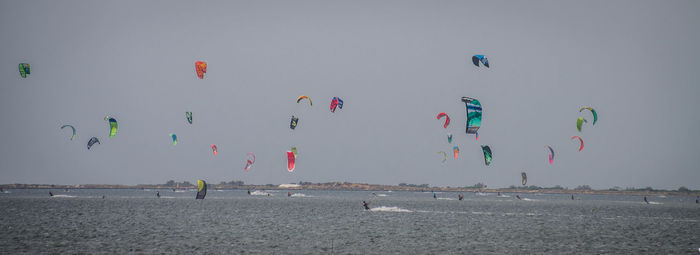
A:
[479,187]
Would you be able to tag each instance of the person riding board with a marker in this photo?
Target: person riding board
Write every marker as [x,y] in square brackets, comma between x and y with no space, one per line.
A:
[289,194]
[50,194]
[158,194]
[645,199]
[518,196]
[365,204]
[461,197]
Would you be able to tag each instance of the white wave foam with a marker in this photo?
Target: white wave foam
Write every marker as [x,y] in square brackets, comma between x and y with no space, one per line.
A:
[381,195]
[180,191]
[299,195]
[503,196]
[389,209]
[529,199]
[445,198]
[482,194]
[655,203]
[259,193]
[63,196]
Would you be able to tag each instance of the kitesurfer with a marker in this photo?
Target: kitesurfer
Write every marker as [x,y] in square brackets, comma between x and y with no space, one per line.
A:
[461,197]
[103,196]
[365,204]
[248,192]
[499,193]
[645,199]
[50,194]
[518,197]
[434,195]
[289,194]
[697,199]
[158,194]
[572,196]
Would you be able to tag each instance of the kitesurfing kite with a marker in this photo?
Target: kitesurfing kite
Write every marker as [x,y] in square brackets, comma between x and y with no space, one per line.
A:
[294,150]
[551,154]
[290,161]
[293,122]
[24,69]
[595,115]
[188,115]
[480,58]
[444,156]
[488,156]
[447,119]
[449,138]
[72,137]
[473,114]
[249,162]
[307,98]
[112,126]
[201,189]
[524,175]
[213,149]
[174,138]
[201,68]
[580,140]
[92,142]
[336,102]
[456,150]
[579,123]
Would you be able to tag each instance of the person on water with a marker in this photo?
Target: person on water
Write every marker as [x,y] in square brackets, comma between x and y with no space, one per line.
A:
[697,200]
[461,197]
[572,196]
[434,195]
[248,192]
[158,194]
[50,194]
[645,199]
[499,193]
[365,204]
[289,194]
[518,196]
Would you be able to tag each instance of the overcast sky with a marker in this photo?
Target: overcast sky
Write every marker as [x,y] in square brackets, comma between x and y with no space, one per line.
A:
[396,64]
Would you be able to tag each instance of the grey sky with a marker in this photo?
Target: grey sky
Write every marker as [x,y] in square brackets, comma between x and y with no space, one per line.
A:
[396,64]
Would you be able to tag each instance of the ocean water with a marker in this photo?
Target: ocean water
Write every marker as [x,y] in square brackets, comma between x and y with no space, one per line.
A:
[334,222]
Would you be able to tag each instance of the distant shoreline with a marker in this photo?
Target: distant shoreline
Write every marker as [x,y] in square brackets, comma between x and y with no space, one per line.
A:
[345,186]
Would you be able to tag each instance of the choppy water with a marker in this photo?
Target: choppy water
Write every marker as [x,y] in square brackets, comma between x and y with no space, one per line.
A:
[324,222]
